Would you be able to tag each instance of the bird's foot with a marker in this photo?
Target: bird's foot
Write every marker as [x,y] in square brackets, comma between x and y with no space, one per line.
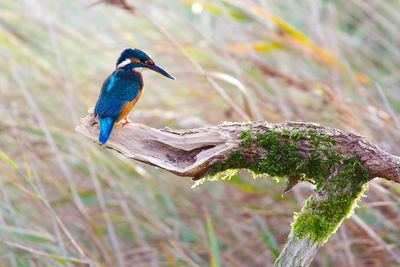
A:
[125,122]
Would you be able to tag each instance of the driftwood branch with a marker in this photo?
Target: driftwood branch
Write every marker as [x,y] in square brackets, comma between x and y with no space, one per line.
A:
[193,153]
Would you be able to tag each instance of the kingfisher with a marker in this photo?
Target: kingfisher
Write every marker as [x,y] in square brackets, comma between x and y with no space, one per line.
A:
[122,90]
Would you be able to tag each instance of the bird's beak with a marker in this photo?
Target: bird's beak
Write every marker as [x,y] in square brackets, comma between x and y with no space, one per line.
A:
[161,71]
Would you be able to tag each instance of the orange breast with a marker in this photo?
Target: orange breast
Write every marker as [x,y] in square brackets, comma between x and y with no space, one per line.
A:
[128,107]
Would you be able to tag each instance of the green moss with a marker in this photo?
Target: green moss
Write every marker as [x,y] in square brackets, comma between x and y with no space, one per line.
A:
[234,161]
[247,139]
[282,158]
[318,140]
[318,219]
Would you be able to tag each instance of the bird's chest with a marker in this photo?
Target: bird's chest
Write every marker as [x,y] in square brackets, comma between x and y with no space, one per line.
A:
[128,106]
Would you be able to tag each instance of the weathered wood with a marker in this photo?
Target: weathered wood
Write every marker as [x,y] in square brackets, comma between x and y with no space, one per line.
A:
[193,152]
[297,253]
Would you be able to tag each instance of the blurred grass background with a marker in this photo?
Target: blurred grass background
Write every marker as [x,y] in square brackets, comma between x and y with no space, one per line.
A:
[67,202]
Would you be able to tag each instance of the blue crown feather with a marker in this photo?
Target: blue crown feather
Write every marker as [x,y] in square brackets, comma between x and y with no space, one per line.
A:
[133,52]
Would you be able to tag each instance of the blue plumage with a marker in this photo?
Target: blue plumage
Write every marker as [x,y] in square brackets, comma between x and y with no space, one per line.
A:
[133,53]
[121,87]
[121,90]
[106,125]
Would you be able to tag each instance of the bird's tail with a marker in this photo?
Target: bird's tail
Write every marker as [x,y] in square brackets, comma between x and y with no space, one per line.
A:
[106,125]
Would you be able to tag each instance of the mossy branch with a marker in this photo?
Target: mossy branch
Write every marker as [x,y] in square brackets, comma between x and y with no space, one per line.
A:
[340,164]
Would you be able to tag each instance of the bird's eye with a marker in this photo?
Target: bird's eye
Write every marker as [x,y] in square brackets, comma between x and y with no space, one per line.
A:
[149,62]
[133,59]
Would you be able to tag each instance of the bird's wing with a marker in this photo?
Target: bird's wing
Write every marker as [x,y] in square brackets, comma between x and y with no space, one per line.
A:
[120,87]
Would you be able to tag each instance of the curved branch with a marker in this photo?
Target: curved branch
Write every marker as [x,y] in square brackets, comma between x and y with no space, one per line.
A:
[191,152]
[340,164]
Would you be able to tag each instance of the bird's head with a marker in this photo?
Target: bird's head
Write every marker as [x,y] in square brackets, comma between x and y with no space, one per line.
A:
[138,60]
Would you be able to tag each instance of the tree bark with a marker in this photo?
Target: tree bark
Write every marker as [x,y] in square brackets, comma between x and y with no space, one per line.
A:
[297,253]
[193,153]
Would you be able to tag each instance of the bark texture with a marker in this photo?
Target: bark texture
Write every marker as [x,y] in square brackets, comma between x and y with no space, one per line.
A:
[297,253]
[191,152]
[196,153]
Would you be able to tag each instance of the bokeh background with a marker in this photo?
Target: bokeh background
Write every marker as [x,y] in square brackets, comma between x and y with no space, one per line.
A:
[65,201]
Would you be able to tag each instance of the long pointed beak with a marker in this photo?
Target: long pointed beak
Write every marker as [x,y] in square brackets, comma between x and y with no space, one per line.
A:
[161,71]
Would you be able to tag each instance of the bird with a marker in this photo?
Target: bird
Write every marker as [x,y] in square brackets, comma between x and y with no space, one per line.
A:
[122,89]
